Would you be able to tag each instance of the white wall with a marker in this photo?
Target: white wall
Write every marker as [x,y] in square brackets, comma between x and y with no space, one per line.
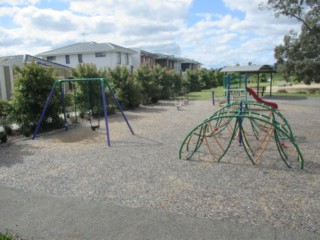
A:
[3,93]
[177,66]
[3,87]
[109,61]
[136,59]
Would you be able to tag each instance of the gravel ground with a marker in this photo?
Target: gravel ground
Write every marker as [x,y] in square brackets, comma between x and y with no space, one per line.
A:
[144,171]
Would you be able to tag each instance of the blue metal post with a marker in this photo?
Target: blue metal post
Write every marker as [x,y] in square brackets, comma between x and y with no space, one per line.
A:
[228,89]
[44,110]
[246,85]
[75,101]
[120,108]
[104,99]
[240,124]
[63,107]
[212,94]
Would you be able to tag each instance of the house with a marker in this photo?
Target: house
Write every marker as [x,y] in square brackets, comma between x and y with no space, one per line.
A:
[143,57]
[180,65]
[7,71]
[103,55]
[167,61]
[188,64]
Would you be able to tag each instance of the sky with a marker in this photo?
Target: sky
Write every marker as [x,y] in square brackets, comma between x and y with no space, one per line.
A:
[216,33]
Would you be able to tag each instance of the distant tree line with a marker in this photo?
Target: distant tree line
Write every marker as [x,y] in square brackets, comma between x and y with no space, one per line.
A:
[145,85]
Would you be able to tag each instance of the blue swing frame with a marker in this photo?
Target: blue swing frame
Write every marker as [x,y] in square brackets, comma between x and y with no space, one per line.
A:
[103,82]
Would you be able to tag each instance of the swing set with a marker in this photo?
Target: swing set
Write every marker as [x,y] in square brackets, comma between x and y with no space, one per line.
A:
[92,110]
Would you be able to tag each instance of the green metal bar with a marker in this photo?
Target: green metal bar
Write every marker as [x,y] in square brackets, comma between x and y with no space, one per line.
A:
[252,117]
[235,129]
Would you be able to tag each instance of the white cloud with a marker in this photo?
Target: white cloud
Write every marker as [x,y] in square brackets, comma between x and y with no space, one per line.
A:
[160,26]
[45,20]
[228,40]
[8,11]
[153,9]
[19,2]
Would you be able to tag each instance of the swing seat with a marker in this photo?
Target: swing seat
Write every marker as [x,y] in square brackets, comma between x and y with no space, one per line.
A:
[94,127]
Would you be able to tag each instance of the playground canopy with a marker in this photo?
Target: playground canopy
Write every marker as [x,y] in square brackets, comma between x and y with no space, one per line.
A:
[255,69]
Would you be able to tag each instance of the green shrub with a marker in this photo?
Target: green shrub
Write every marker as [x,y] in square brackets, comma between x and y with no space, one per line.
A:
[25,130]
[32,87]
[192,81]
[4,108]
[89,96]
[6,236]
[8,130]
[169,81]
[150,89]
[127,89]
[3,138]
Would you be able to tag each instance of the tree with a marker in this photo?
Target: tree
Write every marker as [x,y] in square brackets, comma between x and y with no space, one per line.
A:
[169,80]
[32,87]
[208,78]
[177,83]
[299,55]
[305,11]
[150,89]
[126,87]
[89,96]
[218,77]
[193,80]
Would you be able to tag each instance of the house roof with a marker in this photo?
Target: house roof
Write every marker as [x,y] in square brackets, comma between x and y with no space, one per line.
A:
[87,47]
[19,60]
[249,69]
[144,52]
[164,56]
[178,59]
[150,54]
[187,60]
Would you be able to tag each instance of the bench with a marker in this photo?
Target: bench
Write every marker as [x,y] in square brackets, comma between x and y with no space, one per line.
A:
[259,91]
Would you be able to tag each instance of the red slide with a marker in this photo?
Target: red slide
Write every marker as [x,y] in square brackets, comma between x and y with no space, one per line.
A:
[258,99]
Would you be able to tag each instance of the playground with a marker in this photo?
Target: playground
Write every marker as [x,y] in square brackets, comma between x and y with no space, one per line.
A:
[144,170]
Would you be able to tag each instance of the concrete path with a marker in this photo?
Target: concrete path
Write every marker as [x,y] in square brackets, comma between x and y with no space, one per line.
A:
[38,216]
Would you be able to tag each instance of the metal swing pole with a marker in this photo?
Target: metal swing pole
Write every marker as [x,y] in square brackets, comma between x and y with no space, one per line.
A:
[44,111]
[104,100]
[75,101]
[120,108]
[63,106]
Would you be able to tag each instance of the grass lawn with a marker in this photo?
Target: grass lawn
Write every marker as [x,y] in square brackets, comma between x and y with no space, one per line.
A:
[206,94]
[219,93]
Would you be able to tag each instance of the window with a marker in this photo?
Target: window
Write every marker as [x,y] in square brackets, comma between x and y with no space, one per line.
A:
[51,58]
[127,59]
[118,58]
[80,58]
[67,59]
[101,54]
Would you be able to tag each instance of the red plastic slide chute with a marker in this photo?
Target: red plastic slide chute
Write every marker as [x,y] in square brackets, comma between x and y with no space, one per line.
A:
[258,99]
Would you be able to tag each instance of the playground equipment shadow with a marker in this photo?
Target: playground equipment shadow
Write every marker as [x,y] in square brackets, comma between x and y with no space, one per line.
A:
[15,154]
